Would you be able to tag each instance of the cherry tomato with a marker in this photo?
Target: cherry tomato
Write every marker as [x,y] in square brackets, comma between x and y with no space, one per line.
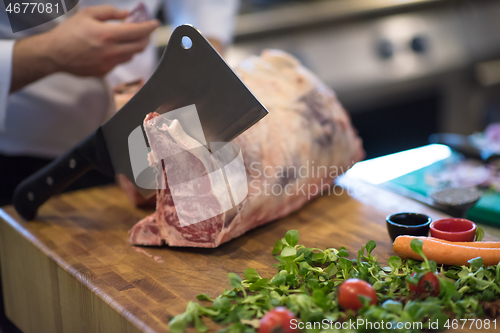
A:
[277,320]
[349,291]
[429,283]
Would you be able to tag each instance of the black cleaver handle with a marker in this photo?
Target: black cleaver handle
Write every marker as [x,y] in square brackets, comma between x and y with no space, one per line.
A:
[62,172]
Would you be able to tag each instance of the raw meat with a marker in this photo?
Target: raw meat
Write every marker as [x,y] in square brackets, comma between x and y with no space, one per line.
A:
[299,148]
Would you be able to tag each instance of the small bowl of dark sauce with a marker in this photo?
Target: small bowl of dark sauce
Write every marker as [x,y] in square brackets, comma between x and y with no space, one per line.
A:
[411,224]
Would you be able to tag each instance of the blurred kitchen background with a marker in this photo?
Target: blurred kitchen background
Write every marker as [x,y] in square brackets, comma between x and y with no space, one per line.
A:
[404,69]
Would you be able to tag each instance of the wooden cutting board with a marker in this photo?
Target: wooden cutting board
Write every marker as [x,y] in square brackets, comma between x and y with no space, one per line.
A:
[72,270]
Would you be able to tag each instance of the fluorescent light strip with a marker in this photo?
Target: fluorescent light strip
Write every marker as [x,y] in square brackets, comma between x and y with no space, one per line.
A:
[385,168]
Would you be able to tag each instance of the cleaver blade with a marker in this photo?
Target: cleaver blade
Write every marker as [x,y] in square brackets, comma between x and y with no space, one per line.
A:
[190,72]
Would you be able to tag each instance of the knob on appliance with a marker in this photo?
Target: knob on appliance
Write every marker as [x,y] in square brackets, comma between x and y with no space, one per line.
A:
[419,44]
[385,49]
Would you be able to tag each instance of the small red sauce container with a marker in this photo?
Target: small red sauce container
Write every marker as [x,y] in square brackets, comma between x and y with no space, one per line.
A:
[454,230]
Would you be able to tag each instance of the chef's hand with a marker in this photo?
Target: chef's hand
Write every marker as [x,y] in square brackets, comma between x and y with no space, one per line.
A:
[84,45]
[87,45]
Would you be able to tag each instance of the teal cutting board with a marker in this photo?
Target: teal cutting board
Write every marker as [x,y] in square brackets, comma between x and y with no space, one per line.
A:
[486,211]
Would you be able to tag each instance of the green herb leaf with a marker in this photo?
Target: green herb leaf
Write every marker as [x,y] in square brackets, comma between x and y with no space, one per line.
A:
[235,282]
[199,324]
[278,280]
[395,263]
[319,257]
[416,245]
[332,256]
[479,234]
[258,285]
[364,300]
[370,246]
[177,324]
[488,296]
[288,251]
[203,297]
[222,303]
[345,266]
[475,263]
[343,252]
[413,279]
[251,275]
[277,247]
[447,288]
[432,266]
[331,270]
[292,237]
[393,306]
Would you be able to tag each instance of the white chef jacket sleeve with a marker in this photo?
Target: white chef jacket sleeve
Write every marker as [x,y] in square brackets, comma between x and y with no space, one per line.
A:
[6,49]
[214,18]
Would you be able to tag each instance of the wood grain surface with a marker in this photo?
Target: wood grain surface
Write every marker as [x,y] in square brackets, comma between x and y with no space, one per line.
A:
[72,270]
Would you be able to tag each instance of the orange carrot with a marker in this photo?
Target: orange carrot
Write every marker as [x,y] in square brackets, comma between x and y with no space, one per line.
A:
[446,253]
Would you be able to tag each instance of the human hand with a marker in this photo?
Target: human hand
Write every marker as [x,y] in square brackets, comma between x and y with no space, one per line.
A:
[87,45]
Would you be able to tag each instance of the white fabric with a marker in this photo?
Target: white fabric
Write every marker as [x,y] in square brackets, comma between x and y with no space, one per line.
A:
[214,18]
[49,116]
[6,48]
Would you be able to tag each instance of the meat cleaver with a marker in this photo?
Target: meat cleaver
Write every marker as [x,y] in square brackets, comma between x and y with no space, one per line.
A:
[189,72]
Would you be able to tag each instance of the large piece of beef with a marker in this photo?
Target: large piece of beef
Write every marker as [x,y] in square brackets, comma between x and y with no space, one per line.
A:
[290,156]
